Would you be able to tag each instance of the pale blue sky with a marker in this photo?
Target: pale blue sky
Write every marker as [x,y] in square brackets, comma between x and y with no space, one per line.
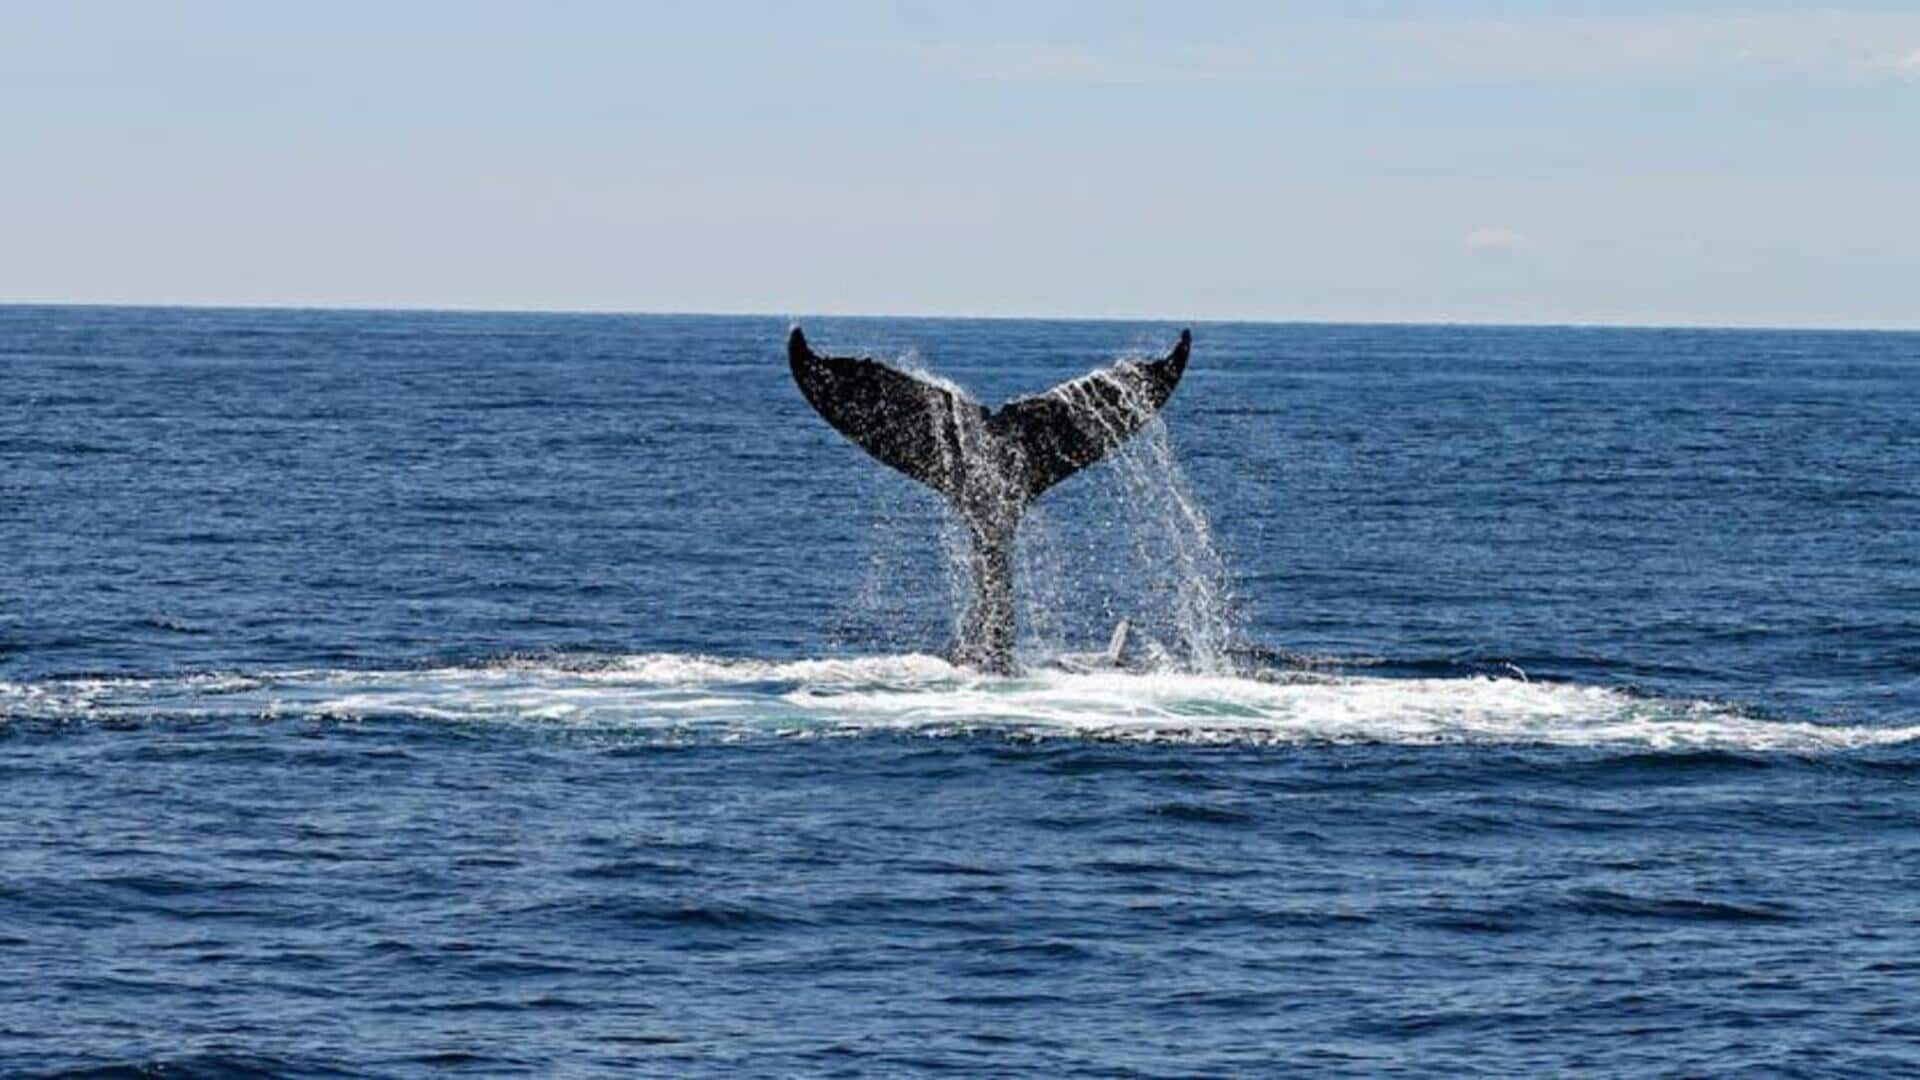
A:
[1726,164]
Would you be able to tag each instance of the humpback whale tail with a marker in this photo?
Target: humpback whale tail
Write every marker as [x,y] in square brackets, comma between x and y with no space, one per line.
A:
[988,463]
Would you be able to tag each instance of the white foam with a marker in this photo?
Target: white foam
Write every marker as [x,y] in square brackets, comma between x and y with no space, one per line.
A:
[672,669]
[923,694]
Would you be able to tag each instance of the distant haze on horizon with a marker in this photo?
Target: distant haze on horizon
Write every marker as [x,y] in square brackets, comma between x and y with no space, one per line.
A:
[1721,164]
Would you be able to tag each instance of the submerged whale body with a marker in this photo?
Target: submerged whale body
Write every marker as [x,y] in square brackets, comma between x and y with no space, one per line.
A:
[989,464]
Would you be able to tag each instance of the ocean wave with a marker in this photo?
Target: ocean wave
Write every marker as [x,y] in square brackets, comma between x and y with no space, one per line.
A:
[683,694]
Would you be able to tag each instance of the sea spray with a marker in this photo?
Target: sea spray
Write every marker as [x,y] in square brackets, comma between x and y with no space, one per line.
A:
[906,589]
[885,611]
[1173,542]
[897,607]
[1182,593]
[1047,589]
[1135,543]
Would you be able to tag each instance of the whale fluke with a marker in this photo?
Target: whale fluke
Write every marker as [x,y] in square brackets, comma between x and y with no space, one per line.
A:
[1074,424]
[905,422]
[989,464]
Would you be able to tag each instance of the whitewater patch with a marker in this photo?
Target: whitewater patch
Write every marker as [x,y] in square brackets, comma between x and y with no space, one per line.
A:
[680,695]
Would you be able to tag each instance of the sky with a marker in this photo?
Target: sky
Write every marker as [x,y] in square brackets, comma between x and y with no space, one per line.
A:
[1728,164]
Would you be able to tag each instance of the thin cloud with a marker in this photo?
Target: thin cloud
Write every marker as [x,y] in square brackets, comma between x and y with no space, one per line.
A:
[1044,62]
[1808,43]
[1901,67]
[1497,239]
[1832,44]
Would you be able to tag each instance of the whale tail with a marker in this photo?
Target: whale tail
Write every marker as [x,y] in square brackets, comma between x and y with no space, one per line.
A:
[945,440]
[988,463]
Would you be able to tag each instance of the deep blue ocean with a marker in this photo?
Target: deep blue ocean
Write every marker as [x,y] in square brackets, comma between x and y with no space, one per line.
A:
[385,694]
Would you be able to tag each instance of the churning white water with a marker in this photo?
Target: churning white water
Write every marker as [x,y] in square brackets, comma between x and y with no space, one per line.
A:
[674,696]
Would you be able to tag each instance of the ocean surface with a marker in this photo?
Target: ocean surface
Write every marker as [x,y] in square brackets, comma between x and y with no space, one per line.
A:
[394,693]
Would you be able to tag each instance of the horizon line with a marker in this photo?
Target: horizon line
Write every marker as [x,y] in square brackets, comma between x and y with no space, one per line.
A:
[424,309]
